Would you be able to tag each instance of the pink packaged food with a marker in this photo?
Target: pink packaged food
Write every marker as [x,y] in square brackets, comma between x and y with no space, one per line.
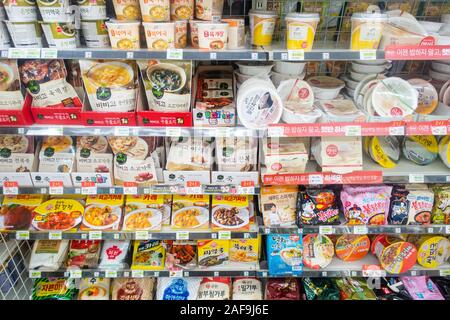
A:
[422,288]
[366,204]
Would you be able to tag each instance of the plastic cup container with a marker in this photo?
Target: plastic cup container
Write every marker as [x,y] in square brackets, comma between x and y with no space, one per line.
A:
[236,33]
[20,11]
[262,26]
[54,10]
[210,10]
[193,26]
[366,30]
[155,10]
[60,35]
[213,36]
[25,34]
[181,10]
[289,68]
[159,35]
[300,30]
[181,34]
[92,9]
[95,34]
[124,34]
[127,10]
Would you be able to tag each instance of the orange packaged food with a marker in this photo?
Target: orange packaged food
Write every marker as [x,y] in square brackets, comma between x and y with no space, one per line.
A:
[352,247]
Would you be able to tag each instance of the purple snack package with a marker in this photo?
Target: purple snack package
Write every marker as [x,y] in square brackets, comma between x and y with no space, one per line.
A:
[422,288]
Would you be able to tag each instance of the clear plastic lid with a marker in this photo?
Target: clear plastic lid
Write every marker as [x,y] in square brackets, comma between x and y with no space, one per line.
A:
[304,16]
[263,12]
[368,15]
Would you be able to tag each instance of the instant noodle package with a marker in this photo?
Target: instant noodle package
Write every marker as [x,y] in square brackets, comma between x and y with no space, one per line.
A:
[318,251]
[190,212]
[284,254]
[318,206]
[396,256]
[352,247]
[409,206]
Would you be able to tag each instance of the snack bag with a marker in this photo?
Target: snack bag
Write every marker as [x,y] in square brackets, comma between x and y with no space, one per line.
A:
[54,289]
[94,289]
[148,255]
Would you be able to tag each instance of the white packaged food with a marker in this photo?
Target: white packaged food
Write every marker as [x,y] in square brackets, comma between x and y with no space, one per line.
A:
[247,289]
[236,153]
[177,288]
[189,154]
[218,288]
[48,255]
[94,289]
[284,155]
[114,254]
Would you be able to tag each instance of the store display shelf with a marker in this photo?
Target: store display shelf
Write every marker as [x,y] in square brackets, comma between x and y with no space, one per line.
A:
[369,266]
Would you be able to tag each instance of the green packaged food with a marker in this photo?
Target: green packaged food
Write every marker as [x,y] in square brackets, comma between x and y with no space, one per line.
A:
[354,289]
[441,208]
[320,289]
[54,289]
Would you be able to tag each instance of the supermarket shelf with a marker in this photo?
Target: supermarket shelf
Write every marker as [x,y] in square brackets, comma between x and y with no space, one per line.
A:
[339,268]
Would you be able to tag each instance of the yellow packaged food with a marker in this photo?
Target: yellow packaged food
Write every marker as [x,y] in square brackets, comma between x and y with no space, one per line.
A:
[213,253]
[17,211]
[58,214]
[300,30]
[230,212]
[244,250]
[190,212]
[432,251]
[367,29]
[262,26]
[103,212]
[147,212]
[148,255]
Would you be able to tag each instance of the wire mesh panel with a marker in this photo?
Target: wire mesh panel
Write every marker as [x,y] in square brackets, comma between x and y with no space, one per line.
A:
[14,281]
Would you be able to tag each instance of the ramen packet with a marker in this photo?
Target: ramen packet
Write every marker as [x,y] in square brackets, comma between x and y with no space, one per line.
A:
[177,288]
[133,289]
[284,254]
[282,289]
[244,250]
[167,84]
[147,212]
[410,206]
[11,97]
[103,212]
[148,255]
[366,204]
[54,289]
[320,289]
[422,288]
[94,289]
[181,255]
[45,81]
[84,254]
[16,212]
[114,254]
[318,207]
[111,86]
[247,289]
[354,289]
[216,288]
[213,253]
[441,208]
[48,255]
[93,155]
[57,154]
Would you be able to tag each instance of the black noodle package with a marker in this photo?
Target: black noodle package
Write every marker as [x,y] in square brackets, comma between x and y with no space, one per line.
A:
[318,207]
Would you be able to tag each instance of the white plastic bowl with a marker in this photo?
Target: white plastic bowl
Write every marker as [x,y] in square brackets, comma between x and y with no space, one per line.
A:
[369,69]
[243,77]
[441,67]
[356,76]
[443,40]
[290,116]
[350,92]
[278,77]
[326,88]
[438,75]
[289,68]
[445,18]
[372,62]
[431,26]
[349,83]
[445,30]
[254,69]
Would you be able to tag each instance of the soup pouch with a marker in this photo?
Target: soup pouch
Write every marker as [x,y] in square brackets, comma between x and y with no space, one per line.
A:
[11,97]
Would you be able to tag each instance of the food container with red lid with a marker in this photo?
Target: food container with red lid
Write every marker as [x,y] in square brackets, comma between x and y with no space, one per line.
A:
[396,256]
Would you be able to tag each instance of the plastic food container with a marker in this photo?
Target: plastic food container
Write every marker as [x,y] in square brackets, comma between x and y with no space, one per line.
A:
[155,10]
[430,26]
[300,30]
[124,34]
[127,10]
[92,9]
[352,247]
[236,33]
[438,75]
[395,256]
[366,30]
[95,34]
[258,104]
[326,88]
[364,68]
[296,116]
[181,10]
[384,150]
[428,96]
[60,35]
[422,150]
[20,11]
[444,150]
[159,35]
[441,67]
[210,10]
[277,78]
[193,26]
[289,68]
[212,36]
[25,34]
[432,251]
[181,34]
[54,11]
[241,78]
[318,251]
[255,68]
[262,26]
[296,94]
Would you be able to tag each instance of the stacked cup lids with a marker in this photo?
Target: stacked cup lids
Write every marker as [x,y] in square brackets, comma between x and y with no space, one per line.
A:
[359,70]
[249,70]
[286,70]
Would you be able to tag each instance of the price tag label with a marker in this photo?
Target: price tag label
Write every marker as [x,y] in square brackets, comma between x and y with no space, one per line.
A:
[325,229]
[56,187]
[264,274]
[247,235]
[223,132]
[416,178]
[156,274]
[182,235]
[216,273]
[193,187]
[430,230]
[49,53]
[116,236]
[110,274]
[173,132]
[439,131]
[413,273]
[213,56]
[352,131]
[174,54]
[95,235]
[130,55]
[447,229]
[367,54]
[396,131]
[141,235]
[360,230]
[88,54]
[23,235]
[296,55]
[137,273]
[10,188]
[315,179]
[35,274]
[76,274]
[373,273]
[275,131]
[398,230]
[246,273]
[121,131]
[176,273]
[444,273]
[88,188]
[16,53]
[224,235]
[130,188]
[246,187]
[326,56]
[55,235]
[267,231]
[96,274]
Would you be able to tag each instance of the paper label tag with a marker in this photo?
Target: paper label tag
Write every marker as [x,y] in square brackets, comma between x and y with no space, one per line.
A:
[447,229]
[10,188]
[373,273]
[95,235]
[173,132]
[325,229]
[352,131]
[367,55]
[296,55]
[360,230]
[439,131]
[130,55]
[245,190]
[56,187]
[23,235]
[176,273]
[55,235]
[35,274]
[416,178]
[444,273]
[130,188]
[223,132]
[213,56]
[121,131]
[141,235]
[49,53]
[396,131]
[88,188]
[76,274]
[315,179]
[174,54]
[137,273]
[275,131]
[224,235]
[193,187]
[110,274]
[182,235]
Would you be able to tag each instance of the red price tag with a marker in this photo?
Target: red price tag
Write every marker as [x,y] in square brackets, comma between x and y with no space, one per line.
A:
[10,188]
[192,184]
[10,184]
[87,184]
[247,184]
[88,188]
[130,187]
[56,187]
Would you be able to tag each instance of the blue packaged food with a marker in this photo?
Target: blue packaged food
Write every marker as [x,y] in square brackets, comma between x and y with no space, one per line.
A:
[284,254]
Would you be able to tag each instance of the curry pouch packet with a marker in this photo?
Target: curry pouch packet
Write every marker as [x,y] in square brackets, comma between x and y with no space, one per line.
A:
[147,212]
[111,86]
[318,207]
[213,253]
[45,81]
[103,212]
[17,211]
[11,97]
[148,255]
[230,212]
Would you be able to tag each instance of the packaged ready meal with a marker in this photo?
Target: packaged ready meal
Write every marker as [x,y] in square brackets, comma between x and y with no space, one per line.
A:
[62,214]
[147,212]
[244,250]
[11,97]
[16,153]
[395,256]
[148,255]
[48,255]
[103,212]
[354,289]
[177,288]
[16,212]
[94,289]
[284,155]
[45,81]
[352,247]
[432,251]
[190,154]
[441,208]
[84,254]
[284,254]
[410,206]
[167,84]
[190,212]
[111,86]
[217,288]
[318,206]
[114,254]
[57,154]
[132,289]
[213,253]
[247,289]
[93,154]
[278,205]
[155,10]
[230,212]
[237,153]
[318,251]
[282,289]
[127,10]
[54,289]
[181,255]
